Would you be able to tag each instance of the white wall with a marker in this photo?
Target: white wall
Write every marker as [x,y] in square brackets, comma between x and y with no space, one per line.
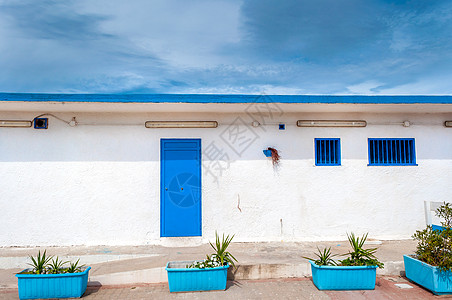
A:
[99,184]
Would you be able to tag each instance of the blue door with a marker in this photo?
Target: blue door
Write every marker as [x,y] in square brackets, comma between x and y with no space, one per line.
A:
[180,192]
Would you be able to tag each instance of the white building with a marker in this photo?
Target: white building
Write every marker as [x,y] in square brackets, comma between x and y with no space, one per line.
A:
[97,175]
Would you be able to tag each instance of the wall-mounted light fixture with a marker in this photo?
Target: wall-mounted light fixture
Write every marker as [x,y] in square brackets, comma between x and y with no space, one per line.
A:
[448,123]
[181,124]
[15,123]
[331,123]
[255,124]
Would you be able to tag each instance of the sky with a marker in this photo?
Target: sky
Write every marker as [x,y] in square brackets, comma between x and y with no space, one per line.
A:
[371,47]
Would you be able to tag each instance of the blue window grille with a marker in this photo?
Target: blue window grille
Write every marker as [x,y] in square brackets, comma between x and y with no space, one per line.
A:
[327,152]
[392,152]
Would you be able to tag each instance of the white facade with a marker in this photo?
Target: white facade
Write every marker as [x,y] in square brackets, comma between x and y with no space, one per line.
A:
[99,182]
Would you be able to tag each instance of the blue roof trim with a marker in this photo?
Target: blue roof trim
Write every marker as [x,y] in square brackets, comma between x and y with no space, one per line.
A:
[209,98]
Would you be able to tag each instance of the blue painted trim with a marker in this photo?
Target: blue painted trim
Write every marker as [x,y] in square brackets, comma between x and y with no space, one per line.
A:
[339,153]
[162,202]
[210,98]
[413,153]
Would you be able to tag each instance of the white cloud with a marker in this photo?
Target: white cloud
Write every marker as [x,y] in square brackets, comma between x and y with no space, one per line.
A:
[252,90]
[364,88]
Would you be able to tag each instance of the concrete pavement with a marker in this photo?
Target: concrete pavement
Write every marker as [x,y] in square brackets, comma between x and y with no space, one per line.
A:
[119,265]
[296,288]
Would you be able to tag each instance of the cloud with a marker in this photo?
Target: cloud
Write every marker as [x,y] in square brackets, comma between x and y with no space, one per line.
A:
[253,46]
[56,20]
[367,87]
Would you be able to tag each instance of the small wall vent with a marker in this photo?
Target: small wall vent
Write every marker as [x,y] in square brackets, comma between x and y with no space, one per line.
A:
[41,123]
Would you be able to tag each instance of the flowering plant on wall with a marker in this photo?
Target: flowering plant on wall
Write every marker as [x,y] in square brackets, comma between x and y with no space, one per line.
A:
[275,156]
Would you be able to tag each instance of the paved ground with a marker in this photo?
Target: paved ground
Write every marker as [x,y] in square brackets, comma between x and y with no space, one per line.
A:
[113,265]
[296,288]
[245,252]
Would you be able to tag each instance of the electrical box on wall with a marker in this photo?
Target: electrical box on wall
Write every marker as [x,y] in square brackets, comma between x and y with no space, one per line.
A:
[41,123]
[282,126]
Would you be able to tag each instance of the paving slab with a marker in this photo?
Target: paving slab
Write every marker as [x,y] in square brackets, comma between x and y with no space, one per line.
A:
[116,265]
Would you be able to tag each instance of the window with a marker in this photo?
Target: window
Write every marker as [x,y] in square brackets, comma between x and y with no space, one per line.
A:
[327,152]
[392,152]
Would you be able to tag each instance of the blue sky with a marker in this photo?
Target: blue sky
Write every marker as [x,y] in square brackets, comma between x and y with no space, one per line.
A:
[241,47]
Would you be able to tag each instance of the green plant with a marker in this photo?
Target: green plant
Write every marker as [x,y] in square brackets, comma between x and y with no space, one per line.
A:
[221,257]
[357,257]
[360,256]
[209,262]
[220,248]
[435,246]
[324,257]
[40,263]
[43,264]
[56,266]
[74,267]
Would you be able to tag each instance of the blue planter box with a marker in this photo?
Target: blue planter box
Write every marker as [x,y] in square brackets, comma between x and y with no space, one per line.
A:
[46,286]
[344,277]
[183,279]
[430,277]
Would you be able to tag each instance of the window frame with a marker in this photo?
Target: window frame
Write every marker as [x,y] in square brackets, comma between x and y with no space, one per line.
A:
[338,152]
[412,154]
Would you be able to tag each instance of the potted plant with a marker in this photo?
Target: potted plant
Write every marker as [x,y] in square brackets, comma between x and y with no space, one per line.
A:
[274,154]
[50,277]
[356,272]
[202,275]
[431,266]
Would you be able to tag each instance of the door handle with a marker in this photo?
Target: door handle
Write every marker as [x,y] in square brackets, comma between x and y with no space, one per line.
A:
[166,189]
